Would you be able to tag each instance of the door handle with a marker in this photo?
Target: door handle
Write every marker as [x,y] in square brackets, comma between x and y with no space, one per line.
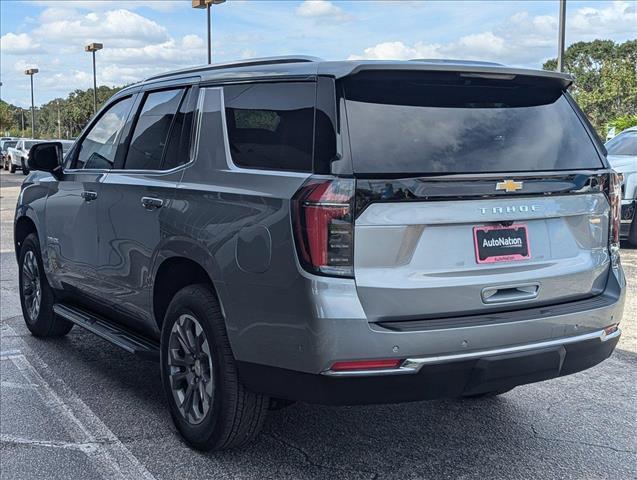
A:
[151,203]
[510,293]
[89,195]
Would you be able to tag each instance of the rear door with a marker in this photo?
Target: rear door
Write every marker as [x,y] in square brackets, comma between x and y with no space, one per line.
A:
[137,199]
[483,193]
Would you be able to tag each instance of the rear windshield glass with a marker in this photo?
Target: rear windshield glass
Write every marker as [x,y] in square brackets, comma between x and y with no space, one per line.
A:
[440,122]
[624,144]
[9,144]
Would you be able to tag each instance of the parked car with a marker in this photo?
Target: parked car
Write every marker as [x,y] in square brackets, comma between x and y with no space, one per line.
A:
[19,154]
[339,233]
[4,154]
[622,156]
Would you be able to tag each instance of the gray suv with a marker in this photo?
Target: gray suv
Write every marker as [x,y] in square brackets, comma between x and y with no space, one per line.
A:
[350,232]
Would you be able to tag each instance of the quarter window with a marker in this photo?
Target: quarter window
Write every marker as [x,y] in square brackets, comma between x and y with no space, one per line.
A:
[271,125]
[153,127]
[98,149]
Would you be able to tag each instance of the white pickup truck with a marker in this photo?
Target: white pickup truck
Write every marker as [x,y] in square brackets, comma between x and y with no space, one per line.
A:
[18,155]
[622,156]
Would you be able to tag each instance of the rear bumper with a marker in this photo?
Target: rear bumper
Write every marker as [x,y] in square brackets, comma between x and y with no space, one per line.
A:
[438,377]
[448,358]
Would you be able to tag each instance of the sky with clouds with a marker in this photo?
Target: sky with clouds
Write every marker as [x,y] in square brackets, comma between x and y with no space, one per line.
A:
[143,38]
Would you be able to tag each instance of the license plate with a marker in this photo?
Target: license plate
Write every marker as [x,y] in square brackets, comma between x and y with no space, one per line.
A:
[501,244]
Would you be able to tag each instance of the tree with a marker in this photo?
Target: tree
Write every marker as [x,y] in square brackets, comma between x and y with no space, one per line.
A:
[605,76]
[75,111]
[7,122]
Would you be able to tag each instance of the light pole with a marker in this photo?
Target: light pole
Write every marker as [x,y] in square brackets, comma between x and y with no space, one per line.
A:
[207,4]
[57,103]
[561,37]
[30,72]
[94,47]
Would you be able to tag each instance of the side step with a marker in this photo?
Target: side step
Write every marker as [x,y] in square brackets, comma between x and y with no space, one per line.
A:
[110,331]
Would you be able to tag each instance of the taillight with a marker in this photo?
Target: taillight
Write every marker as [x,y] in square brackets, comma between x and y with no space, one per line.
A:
[323,225]
[614,194]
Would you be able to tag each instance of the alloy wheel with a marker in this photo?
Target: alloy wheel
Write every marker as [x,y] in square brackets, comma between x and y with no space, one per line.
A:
[190,369]
[31,285]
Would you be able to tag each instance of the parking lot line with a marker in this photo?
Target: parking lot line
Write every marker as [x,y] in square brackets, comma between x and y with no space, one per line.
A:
[88,433]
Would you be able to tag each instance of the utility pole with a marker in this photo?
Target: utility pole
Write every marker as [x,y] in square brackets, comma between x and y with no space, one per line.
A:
[22,113]
[561,36]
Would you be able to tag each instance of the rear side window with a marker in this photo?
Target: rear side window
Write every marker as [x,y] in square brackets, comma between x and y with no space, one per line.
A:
[441,122]
[271,125]
[150,137]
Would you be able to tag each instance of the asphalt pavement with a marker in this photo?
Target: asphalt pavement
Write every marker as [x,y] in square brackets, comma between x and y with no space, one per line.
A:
[78,407]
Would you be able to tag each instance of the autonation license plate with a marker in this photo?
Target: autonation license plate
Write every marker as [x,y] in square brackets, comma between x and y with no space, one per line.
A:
[501,244]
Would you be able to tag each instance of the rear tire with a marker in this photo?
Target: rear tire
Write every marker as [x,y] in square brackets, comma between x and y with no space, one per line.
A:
[632,234]
[36,296]
[208,403]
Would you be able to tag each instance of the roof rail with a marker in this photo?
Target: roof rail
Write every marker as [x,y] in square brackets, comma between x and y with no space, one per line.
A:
[455,61]
[250,62]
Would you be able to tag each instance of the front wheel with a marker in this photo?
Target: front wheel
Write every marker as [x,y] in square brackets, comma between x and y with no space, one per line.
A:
[208,403]
[12,167]
[25,170]
[36,296]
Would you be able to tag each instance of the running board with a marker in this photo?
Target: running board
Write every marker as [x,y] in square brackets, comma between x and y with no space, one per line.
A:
[110,331]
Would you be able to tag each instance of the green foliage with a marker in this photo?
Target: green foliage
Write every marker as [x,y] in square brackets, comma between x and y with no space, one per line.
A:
[605,79]
[622,123]
[7,121]
[74,113]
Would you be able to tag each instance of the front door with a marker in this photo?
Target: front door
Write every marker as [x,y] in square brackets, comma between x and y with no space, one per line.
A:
[72,239]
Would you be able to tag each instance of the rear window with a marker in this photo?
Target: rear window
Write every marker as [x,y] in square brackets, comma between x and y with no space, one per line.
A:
[271,125]
[623,144]
[440,122]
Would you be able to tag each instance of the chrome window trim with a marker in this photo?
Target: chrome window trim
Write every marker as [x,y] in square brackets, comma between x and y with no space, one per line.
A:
[414,364]
[193,151]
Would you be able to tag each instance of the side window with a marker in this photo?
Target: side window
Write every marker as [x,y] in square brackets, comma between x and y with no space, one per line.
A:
[178,146]
[99,147]
[153,126]
[271,125]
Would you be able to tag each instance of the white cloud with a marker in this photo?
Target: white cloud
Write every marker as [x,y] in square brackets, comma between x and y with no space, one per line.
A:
[20,43]
[521,40]
[322,10]
[187,51]
[116,28]
[158,5]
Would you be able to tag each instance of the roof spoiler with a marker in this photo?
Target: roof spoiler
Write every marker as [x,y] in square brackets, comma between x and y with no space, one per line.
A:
[469,69]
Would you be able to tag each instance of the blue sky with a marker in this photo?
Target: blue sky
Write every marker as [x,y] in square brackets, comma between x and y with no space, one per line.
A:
[143,38]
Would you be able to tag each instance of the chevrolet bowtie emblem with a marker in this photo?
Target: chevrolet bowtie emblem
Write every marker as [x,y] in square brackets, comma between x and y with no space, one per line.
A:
[509,186]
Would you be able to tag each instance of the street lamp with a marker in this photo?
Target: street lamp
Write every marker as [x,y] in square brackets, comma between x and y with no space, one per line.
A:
[207,4]
[30,72]
[561,36]
[94,47]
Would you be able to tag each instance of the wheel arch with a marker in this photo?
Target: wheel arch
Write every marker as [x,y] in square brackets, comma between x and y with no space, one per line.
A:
[24,226]
[171,275]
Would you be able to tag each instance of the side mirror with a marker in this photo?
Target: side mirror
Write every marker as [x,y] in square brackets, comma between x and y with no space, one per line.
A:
[46,157]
